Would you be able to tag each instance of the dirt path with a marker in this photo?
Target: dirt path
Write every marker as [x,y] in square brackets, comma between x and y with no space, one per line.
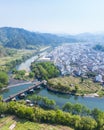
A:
[6,121]
[12,126]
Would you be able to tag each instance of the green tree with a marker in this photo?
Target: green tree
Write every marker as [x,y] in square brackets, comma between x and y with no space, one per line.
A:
[3,107]
[1,98]
[76,88]
[99,117]
[68,107]
[3,79]
[44,70]
[31,75]
[77,109]
[87,123]
[82,79]
[21,72]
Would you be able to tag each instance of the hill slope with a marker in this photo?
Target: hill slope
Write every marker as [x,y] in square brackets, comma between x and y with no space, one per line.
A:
[18,124]
[6,51]
[20,38]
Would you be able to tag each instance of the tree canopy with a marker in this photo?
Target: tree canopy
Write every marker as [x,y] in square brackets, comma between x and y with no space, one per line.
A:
[3,79]
[44,70]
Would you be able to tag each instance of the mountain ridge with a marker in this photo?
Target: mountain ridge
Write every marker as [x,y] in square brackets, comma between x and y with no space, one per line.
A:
[21,38]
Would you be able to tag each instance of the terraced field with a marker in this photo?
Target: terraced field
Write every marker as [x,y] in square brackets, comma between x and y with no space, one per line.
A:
[13,123]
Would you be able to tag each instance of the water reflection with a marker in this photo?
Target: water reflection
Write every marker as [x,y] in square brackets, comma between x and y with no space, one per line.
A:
[75,97]
[61,99]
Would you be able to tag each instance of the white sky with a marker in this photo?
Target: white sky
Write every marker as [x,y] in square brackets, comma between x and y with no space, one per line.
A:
[55,16]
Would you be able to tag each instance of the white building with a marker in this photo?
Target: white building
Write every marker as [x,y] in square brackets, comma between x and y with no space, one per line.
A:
[98,78]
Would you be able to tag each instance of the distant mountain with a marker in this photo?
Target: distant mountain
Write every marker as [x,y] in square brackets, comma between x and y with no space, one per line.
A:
[90,37]
[20,38]
[87,37]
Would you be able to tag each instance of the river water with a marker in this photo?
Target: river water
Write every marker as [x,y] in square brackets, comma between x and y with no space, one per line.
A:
[26,65]
[61,99]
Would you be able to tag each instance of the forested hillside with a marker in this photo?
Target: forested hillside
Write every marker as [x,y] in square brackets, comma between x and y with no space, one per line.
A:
[20,38]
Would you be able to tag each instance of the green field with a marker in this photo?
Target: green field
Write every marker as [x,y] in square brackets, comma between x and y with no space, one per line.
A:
[18,54]
[10,56]
[9,61]
[74,84]
[7,123]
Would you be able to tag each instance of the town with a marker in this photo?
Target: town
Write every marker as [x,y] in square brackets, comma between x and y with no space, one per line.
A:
[79,59]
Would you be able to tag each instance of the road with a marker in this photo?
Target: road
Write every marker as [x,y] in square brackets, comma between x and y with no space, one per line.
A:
[10,86]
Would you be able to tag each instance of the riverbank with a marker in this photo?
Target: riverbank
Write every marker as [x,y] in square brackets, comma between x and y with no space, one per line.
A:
[70,93]
[59,98]
[91,95]
[57,91]
[14,82]
[7,63]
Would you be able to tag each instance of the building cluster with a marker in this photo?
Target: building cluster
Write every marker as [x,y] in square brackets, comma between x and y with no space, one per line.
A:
[78,59]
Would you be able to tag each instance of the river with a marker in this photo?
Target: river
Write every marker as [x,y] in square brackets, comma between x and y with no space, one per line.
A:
[26,64]
[61,99]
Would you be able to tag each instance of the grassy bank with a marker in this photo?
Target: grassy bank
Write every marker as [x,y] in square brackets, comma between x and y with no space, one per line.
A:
[70,84]
[18,55]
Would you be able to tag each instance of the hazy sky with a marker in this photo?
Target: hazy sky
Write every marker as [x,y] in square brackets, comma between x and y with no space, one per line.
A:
[56,16]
